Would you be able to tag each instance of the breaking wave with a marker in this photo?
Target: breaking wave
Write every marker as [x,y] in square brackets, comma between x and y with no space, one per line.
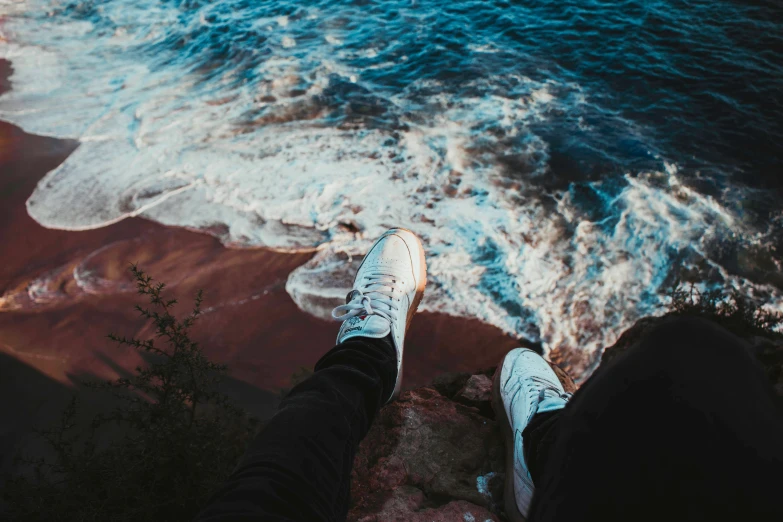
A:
[545,209]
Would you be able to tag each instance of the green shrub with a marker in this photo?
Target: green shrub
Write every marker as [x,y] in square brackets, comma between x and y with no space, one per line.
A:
[170,441]
[727,307]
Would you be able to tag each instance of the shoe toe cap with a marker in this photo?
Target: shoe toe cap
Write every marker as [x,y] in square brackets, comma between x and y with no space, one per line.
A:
[524,363]
[398,250]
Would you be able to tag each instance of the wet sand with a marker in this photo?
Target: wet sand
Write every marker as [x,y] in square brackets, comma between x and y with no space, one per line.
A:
[62,292]
[250,322]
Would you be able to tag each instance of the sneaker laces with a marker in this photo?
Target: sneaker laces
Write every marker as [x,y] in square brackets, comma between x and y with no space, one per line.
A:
[547,391]
[554,393]
[375,296]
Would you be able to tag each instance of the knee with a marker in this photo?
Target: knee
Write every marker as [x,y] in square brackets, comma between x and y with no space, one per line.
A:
[683,353]
[693,338]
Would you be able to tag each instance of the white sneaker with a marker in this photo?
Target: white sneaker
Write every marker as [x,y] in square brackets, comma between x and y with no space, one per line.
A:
[387,291]
[524,385]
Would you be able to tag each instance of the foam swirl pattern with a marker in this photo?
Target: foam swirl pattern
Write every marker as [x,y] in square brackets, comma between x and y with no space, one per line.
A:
[563,162]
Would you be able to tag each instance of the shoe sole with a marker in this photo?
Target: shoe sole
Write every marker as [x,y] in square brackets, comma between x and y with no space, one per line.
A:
[509,496]
[420,287]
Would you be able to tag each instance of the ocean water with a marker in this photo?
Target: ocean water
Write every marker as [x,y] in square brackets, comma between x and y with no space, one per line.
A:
[564,162]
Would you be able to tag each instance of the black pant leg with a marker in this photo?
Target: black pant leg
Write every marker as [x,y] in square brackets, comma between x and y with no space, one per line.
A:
[539,437]
[684,426]
[299,466]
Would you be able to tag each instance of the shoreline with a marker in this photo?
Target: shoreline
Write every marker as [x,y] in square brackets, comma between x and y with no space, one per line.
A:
[63,292]
[252,325]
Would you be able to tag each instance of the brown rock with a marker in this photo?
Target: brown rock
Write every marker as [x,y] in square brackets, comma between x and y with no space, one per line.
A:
[409,504]
[425,458]
[478,389]
[477,392]
[435,454]
[449,383]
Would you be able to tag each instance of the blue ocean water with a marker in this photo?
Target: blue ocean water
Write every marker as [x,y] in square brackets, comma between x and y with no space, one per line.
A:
[696,82]
[566,161]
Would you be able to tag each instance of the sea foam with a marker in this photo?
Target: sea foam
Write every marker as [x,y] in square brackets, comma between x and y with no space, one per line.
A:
[287,147]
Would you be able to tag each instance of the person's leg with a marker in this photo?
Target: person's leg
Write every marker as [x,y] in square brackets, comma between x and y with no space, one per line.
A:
[684,426]
[540,437]
[299,466]
[525,391]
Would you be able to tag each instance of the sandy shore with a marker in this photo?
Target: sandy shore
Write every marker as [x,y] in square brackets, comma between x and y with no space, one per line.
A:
[62,292]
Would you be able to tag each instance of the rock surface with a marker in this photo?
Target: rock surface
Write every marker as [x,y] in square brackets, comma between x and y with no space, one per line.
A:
[423,457]
[436,454]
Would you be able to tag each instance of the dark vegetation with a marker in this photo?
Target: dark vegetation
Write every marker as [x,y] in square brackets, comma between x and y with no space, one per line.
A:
[728,308]
[174,437]
[169,442]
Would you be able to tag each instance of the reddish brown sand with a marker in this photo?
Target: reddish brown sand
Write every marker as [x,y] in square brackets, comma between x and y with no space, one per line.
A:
[251,323]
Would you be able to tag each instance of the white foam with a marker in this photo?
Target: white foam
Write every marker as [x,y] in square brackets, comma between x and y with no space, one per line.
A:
[483,48]
[255,163]
[332,39]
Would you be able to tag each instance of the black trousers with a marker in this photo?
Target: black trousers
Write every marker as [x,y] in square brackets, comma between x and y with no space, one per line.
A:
[684,426]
